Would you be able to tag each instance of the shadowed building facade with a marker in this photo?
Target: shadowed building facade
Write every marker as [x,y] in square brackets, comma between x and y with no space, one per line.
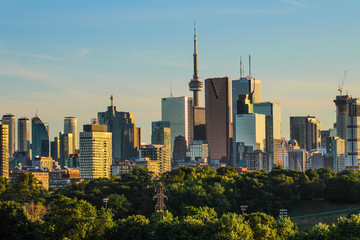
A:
[218,126]
[353,134]
[126,138]
[23,135]
[306,131]
[39,138]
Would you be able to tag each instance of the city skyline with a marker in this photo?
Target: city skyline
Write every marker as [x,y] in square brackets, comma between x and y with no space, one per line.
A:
[68,61]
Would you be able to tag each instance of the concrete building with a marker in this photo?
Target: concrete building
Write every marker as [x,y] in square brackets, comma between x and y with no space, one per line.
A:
[335,148]
[198,151]
[179,112]
[41,176]
[272,111]
[342,112]
[218,118]
[250,135]
[126,137]
[45,163]
[40,138]
[66,147]
[161,133]
[4,150]
[24,135]
[9,119]
[283,152]
[95,152]
[306,130]
[61,178]
[70,126]
[299,160]
[158,153]
[353,134]
[258,160]
[180,148]
[55,149]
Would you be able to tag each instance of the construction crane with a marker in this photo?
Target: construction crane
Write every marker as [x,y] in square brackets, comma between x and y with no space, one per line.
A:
[340,89]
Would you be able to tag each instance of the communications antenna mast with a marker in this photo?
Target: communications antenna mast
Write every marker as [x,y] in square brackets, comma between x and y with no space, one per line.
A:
[340,89]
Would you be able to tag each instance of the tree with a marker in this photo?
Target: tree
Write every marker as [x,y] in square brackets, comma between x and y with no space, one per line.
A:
[73,219]
[262,225]
[135,227]
[232,227]
[119,205]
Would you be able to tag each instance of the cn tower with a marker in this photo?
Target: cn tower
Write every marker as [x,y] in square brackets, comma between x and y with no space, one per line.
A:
[195,84]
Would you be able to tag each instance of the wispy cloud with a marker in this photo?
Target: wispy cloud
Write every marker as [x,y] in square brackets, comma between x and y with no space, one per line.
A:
[82,52]
[294,2]
[39,56]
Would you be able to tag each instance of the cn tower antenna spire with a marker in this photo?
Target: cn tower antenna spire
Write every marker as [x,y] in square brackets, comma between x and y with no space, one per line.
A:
[195,84]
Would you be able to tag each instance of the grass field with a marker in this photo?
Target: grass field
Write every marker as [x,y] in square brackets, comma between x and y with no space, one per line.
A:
[306,214]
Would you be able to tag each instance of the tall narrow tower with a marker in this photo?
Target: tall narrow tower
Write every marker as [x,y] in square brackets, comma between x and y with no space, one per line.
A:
[195,84]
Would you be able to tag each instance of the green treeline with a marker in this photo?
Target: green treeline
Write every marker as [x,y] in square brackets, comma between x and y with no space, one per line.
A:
[203,203]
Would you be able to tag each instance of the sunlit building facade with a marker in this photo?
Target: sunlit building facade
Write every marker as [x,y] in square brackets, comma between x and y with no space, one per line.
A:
[158,153]
[95,152]
[9,119]
[70,126]
[4,150]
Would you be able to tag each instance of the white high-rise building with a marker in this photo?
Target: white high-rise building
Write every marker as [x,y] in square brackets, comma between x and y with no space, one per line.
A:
[95,152]
[70,126]
[178,111]
[353,133]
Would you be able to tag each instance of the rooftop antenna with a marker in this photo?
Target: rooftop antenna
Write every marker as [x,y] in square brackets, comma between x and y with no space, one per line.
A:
[241,68]
[171,95]
[112,101]
[340,89]
[249,65]
[36,112]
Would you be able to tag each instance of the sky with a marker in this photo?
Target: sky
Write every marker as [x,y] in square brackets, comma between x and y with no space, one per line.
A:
[66,58]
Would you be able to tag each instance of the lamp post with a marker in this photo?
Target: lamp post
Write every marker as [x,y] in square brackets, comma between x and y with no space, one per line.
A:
[243,208]
[105,200]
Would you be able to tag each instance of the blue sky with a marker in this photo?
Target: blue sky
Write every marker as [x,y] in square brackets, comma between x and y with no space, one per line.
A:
[67,57]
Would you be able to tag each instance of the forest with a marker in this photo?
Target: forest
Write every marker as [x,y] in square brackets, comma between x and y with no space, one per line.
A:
[202,203]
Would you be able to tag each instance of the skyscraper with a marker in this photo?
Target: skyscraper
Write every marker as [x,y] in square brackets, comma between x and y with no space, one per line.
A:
[55,149]
[306,130]
[342,112]
[125,135]
[9,119]
[250,135]
[4,150]
[70,126]
[178,111]
[218,126]
[353,133]
[161,134]
[66,147]
[195,84]
[39,138]
[23,135]
[95,152]
[272,111]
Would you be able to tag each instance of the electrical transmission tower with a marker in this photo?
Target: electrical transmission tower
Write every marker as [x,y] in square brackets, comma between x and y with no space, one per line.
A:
[160,189]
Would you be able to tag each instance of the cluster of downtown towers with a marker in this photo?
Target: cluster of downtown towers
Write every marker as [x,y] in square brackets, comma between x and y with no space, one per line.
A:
[234,128]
